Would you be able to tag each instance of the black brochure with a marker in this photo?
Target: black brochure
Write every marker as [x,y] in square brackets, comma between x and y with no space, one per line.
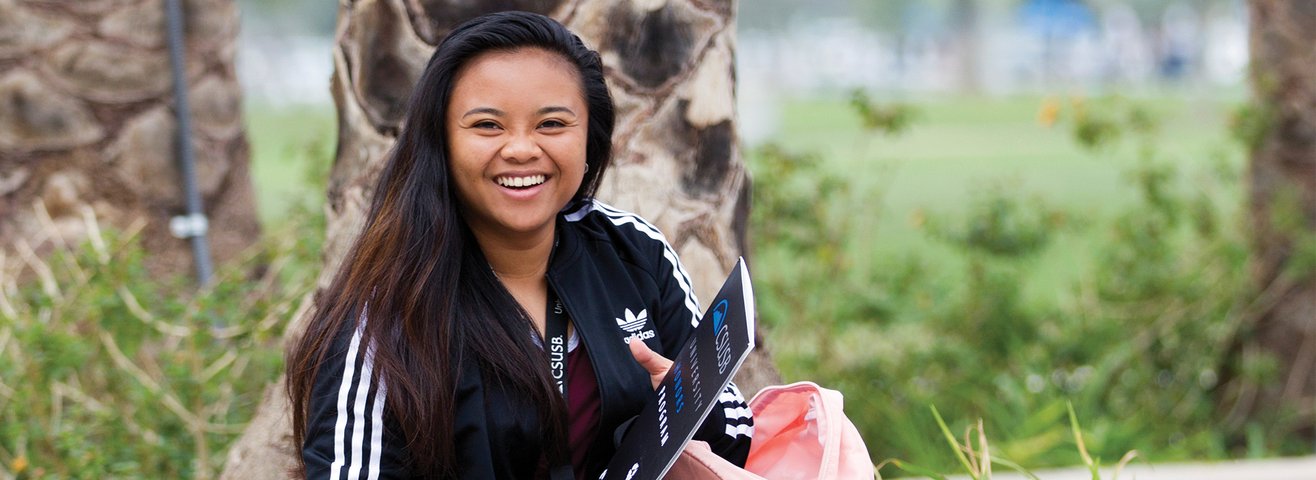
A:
[700,371]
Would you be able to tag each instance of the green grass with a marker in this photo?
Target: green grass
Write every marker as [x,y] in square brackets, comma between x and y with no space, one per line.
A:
[289,146]
[958,148]
[959,144]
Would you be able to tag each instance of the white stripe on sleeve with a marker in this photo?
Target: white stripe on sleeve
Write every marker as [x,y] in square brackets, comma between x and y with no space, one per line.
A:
[359,415]
[340,425]
[622,217]
[733,413]
[746,430]
[377,430]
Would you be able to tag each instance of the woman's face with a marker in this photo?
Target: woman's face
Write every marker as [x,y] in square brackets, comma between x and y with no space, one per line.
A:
[517,129]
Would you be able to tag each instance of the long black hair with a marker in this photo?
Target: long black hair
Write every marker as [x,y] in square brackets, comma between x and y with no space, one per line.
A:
[433,301]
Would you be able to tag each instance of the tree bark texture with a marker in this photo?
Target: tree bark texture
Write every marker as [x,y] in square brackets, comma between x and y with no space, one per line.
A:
[87,125]
[669,64]
[1283,212]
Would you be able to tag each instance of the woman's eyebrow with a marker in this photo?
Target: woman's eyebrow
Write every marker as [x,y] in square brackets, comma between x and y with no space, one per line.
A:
[555,109]
[489,110]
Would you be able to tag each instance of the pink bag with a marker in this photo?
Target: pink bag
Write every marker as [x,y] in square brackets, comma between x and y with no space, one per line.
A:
[698,462]
[801,432]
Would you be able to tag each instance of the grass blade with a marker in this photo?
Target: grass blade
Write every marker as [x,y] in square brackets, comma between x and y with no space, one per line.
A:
[913,469]
[1014,466]
[1119,467]
[986,450]
[970,452]
[1078,439]
[954,445]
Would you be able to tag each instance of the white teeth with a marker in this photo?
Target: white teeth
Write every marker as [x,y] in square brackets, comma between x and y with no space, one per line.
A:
[516,182]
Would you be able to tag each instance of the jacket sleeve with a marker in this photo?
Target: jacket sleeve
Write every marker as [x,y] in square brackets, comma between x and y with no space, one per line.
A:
[346,434]
[729,426]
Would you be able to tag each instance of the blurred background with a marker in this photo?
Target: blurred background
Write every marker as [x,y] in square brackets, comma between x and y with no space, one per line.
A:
[995,207]
[1032,215]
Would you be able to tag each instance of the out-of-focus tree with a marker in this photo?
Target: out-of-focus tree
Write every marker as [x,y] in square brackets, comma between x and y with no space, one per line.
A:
[1275,361]
[677,162]
[87,125]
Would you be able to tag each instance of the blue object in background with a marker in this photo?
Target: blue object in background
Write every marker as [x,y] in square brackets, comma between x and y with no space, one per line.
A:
[1057,19]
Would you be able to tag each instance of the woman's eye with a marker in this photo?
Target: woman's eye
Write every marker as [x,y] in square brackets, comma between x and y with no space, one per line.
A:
[486,124]
[552,124]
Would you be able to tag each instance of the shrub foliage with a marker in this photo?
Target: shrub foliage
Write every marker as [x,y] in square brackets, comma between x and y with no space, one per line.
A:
[108,372]
[1139,345]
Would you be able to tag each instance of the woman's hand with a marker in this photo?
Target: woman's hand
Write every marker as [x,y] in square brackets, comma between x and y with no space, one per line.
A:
[651,361]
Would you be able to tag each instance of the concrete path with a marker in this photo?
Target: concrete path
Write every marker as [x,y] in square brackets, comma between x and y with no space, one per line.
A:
[1301,468]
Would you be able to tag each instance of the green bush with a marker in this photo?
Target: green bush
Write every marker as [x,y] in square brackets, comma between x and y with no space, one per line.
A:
[108,372]
[1138,346]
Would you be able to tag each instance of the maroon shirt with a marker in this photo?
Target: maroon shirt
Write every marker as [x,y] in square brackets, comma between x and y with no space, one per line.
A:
[582,407]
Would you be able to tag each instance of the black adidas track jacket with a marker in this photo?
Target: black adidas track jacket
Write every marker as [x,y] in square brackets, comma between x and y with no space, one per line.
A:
[610,268]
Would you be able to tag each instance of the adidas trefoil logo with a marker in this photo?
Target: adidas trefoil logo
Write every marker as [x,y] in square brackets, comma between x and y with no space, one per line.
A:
[633,324]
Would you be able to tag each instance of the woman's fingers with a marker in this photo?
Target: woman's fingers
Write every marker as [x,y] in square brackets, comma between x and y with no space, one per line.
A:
[655,364]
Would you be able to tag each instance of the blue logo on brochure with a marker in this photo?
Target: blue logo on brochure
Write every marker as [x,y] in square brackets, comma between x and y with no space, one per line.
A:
[719,314]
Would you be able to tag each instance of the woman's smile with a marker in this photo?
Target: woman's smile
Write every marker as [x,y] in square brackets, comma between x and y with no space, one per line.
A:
[522,187]
[520,182]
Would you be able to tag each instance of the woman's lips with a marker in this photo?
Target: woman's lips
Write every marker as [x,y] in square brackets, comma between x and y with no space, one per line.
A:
[521,187]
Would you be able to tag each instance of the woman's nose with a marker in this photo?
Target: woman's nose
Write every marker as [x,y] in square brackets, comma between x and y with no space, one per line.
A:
[521,148]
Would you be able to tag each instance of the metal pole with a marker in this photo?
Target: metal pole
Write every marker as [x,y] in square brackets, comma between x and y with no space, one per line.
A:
[193,225]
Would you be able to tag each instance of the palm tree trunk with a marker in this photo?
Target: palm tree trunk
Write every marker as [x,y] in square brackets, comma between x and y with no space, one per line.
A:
[669,65]
[1283,212]
[87,125]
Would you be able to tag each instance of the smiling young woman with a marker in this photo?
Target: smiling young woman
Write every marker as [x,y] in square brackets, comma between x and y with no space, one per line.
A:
[475,329]
[517,156]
